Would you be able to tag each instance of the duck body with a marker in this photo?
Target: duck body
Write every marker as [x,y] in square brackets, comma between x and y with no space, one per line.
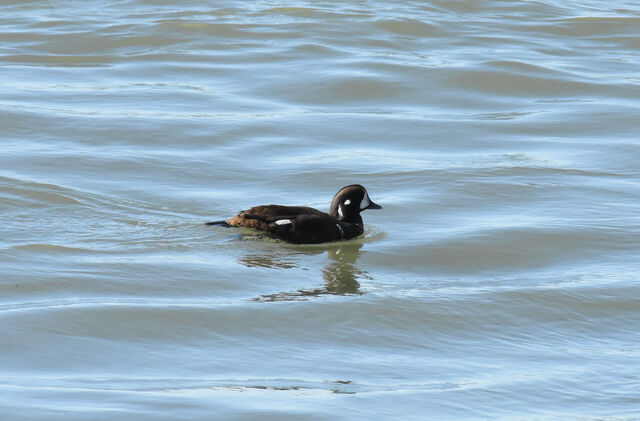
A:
[305,225]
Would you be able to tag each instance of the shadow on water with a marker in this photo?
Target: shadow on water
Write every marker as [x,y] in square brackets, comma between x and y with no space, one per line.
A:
[340,274]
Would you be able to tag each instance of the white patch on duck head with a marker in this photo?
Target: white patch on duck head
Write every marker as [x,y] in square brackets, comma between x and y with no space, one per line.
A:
[283,221]
[340,213]
[347,202]
[365,202]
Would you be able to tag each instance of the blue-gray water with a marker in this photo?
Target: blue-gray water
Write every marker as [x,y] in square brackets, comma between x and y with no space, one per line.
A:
[500,281]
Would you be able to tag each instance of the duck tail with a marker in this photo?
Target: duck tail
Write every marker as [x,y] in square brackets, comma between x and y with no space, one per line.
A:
[222,223]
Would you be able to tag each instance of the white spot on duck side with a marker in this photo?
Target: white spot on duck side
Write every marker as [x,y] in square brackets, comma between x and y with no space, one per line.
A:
[340,213]
[283,221]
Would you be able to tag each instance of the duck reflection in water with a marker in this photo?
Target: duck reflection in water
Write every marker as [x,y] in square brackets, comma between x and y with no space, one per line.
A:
[340,274]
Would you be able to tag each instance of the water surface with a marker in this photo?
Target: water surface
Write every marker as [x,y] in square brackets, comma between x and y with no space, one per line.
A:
[500,281]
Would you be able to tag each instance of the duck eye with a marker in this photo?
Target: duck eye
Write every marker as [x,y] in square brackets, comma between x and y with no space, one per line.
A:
[347,202]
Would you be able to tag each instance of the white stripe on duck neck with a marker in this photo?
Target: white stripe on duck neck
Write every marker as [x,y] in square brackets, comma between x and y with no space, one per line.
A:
[341,231]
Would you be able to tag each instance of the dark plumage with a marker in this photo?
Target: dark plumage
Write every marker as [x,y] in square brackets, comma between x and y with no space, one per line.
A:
[304,225]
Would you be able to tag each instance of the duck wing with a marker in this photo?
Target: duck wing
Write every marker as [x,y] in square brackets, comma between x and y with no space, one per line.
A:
[257,216]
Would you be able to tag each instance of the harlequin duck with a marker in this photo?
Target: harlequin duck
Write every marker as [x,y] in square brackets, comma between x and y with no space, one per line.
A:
[304,225]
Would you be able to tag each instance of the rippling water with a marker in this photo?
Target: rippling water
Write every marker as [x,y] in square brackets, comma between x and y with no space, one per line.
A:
[500,281]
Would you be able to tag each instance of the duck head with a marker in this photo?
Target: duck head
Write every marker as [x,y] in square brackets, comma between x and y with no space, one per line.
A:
[349,202]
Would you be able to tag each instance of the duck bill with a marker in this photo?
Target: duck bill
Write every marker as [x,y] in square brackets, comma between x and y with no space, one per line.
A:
[373,206]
